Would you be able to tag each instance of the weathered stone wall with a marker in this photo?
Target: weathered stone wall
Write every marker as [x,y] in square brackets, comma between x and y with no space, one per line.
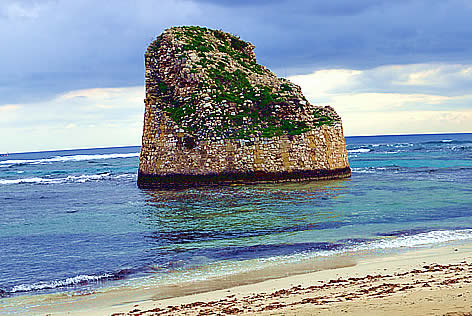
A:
[164,153]
[171,154]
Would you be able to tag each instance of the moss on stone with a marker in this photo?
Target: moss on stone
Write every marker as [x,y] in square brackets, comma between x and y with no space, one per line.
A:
[225,70]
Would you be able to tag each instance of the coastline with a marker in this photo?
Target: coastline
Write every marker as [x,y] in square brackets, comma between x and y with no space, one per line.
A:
[421,281]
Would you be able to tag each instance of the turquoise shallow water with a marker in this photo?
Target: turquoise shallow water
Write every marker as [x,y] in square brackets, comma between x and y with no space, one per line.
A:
[75,220]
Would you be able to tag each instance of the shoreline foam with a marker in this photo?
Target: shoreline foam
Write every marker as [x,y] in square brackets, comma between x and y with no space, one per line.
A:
[326,256]
[299,293]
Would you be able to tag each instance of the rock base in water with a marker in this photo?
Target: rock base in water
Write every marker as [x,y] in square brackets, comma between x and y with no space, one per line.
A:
[150,181]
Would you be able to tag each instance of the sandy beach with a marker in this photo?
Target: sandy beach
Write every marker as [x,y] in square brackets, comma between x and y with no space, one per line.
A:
[435,281]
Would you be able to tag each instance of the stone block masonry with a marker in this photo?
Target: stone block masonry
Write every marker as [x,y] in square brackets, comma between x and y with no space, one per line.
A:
[214,116]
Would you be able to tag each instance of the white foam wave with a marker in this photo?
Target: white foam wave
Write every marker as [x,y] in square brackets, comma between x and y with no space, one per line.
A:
[227,268]
[418,240]
[368,169]
[390,152]
[363,170]
[396,145]
[360,150]
[70,179]
[58,283]
[67,158]
[402,242]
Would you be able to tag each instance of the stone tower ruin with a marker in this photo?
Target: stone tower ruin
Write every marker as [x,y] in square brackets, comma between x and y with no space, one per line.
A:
[215,116]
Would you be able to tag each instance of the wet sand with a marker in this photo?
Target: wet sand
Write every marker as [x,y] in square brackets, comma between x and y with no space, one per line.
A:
[436,281]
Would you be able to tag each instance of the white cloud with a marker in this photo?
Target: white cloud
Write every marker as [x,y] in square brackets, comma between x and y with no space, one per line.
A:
[323,81]
[395,99]
[8,113]
[370,102]
[17,9]
[407,122]
[76,119]
[8,108]
[443,79]
[387,101]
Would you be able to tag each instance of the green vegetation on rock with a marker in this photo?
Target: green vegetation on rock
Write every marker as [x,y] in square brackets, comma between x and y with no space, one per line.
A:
[245,99]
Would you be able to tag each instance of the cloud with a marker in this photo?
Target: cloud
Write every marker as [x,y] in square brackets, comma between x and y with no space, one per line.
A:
[395,99]
[391,99]
[442,80]
[445,79]
[24,9]
[59,45]
[8,113]
[76,119]
[8,108]
[407,122]
[240,3]
[72,45]
[388,101]
[359,56]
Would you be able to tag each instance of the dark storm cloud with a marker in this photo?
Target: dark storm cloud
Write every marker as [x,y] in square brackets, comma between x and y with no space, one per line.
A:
[365,33]
[334,8]
[240,3]
[49,47]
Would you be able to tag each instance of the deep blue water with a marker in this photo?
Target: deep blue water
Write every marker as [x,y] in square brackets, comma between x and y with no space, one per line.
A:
[71,220]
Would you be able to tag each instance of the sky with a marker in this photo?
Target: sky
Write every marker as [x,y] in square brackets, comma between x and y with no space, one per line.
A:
[72,71]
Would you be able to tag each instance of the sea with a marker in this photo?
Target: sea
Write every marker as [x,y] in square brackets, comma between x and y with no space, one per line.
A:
[75,222]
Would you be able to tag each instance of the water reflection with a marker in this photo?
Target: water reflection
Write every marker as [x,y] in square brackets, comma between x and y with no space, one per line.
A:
[242,215]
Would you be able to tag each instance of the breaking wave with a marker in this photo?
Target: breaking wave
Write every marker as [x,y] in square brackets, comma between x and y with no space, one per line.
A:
[447,141]
[69,179]
[360,150]
[417,240]
[77,280]
[369,169]
[67,159]
[387,241]
[425,239]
